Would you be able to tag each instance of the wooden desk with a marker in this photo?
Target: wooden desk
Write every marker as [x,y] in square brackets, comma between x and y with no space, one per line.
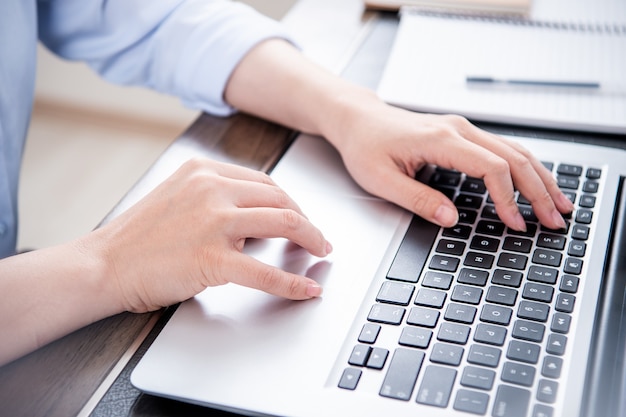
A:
[59,379]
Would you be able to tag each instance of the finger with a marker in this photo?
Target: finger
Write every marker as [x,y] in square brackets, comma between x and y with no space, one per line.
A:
[242,173]
[263,223]
[248,194]
[252,273]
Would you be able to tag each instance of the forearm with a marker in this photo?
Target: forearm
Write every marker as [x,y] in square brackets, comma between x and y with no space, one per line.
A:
[49,293]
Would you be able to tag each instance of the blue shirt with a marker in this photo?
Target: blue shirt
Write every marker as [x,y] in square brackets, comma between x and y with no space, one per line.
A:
[186,48]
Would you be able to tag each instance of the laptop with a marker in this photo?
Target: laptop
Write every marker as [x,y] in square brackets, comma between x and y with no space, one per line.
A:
[416,319]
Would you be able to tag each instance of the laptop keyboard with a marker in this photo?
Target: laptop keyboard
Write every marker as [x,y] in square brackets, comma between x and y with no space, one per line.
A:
[484,316]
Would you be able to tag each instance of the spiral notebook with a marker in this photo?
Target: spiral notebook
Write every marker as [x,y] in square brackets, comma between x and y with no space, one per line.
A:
[567,75]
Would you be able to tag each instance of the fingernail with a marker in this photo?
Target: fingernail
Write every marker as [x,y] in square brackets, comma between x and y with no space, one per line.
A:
[445,216]
[329,247]
[313,290]
[520,223]
[566,202]
[558,219]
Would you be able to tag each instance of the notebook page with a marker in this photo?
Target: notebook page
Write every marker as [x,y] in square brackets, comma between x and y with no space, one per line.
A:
[433,55]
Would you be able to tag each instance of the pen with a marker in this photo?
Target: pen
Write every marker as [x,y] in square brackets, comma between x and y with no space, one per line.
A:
[544,83]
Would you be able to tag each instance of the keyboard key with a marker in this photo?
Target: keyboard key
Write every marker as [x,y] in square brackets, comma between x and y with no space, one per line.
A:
[487,333]
[496,314]
[501,295]
[436,386]
[547,257]
[533,311]
[531,230]
[439,280]
[565,181]
[467,216]
[474,185]
[523,352]
[425,317]
[485,243]
[569,284]
[565,303]
[511,402]
[459,231]
[546,391]
[561,323]
[517,244]
[369,333]
[542,410]
[577,248]
[550,241]
[556,344]
[506,277]
[350,378]
[542,274]
[489,212]
[445,178]
[413,251]
[552,367]
[475,377]
[377,359]
[538,292]
[450,247]
[468,201]
[473,276]
[466,294]
[385,313]
[512,261]
[587,201]
[491,228]
[591,186]
[471,401]
[528,330]
[594,173]
[461,313]
[446,354]
[359,355]
[567,169]
[584,216]
[484,355]
[430,298]
[415,337]
[573,266]
[517,373]
[454,333]
[402,374]
[444,263]
[395,293]
[478,260]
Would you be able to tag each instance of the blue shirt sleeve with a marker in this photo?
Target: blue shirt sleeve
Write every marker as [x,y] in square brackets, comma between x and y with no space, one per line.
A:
[185,48]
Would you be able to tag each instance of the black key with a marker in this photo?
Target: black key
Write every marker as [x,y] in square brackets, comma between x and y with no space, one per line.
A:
[580,232]
[486,227]
[565,303]
[517,244]
[446,354]
[546,391]
[506,277]
[561,323]
[584,216]
[454,333]
[523,352]
[533,311]
[549,165]
[528,330]
[531,230]
[501,295]
[424,317]
[485,243]
[450,247]
[415,337]
[487,333]
[484,355]
[473,276]
[562,231]
[444,263]
[466,294]
[517,373]
[445,178]
[547,257]
[573,266]
[467,216]
[542,410]
[591,186]
[359,355]
[489,212]
[594,173]
[437,280]
[474,185]
[568,182]
[478,260]
[496,314]
[461,313]
[471,401]
[571,195]
[538,292]
[413,252]
[542,274]
[377,359]
[369,333]
[459,231]
[511,402]
[512,261]
[550,241]
[577,248]
[569,284]
[430,298]
[350,378]
[386,313]
[552,367]
[402,374]
[395,293]
[436,386]
[468,201]
[587,201]
[475,377]
[556,344]
[568,169]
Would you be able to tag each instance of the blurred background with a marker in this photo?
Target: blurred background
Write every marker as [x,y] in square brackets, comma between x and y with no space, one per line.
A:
[89,142]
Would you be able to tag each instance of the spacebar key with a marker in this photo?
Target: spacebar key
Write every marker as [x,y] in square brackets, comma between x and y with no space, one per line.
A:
[402,374]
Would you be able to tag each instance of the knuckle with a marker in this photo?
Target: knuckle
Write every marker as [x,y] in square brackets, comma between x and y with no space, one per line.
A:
[268,279]
[291,219]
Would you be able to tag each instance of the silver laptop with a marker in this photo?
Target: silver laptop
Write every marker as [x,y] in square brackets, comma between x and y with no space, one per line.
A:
[416,320]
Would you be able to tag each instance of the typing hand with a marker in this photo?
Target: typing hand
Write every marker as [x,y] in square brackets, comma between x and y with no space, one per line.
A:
[383,147]
[189,232]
